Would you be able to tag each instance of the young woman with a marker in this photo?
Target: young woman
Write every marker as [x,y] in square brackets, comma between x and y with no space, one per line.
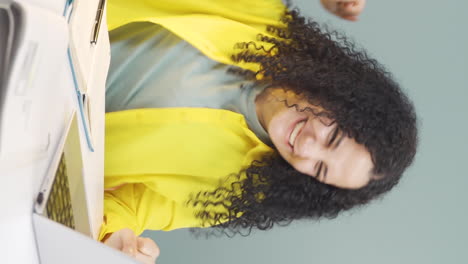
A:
[243,115]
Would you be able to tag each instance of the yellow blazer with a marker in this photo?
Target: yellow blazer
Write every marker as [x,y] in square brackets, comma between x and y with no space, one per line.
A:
[164,155]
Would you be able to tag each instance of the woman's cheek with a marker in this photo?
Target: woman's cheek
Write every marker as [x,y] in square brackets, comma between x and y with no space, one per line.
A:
[277,134]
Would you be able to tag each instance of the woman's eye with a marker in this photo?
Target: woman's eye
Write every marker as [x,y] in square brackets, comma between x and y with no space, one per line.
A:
[322,170]
[320,166]
[333,136]
[325,172]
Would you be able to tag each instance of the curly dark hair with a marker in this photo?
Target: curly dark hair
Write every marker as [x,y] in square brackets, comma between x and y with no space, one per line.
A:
[355,91]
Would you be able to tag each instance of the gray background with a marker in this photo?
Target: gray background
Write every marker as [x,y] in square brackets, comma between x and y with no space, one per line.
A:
[424,220]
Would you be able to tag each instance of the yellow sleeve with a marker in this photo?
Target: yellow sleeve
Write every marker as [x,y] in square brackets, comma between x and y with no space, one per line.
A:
[138,207]
[119,211]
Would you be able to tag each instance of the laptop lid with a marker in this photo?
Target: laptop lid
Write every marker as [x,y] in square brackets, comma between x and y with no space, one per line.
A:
[60,217]
[61,196]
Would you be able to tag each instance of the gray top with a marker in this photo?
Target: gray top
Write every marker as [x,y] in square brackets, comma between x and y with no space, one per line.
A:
[153,68]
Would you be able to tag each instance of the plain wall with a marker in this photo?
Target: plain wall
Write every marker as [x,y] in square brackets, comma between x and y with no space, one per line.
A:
[423,220]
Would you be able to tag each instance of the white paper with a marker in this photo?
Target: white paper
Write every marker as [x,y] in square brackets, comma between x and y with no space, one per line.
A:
[31,93]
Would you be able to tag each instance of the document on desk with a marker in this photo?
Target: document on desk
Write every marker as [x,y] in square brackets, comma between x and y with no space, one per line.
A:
[32,40]
[85,19]
[89,51]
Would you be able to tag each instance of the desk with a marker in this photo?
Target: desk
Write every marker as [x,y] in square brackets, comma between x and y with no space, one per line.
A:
[57,97]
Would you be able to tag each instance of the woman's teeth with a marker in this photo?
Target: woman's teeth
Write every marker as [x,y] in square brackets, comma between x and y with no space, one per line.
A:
[297,128]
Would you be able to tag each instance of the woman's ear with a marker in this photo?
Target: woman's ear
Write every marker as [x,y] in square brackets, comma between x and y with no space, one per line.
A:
[376,177]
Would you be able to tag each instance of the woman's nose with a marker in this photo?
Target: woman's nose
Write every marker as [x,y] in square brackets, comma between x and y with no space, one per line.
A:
[315,142]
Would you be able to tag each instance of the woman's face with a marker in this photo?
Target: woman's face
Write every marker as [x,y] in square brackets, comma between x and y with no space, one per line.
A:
[313,145]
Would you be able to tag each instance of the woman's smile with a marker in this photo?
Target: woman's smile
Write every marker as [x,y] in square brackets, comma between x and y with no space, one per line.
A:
[295,131]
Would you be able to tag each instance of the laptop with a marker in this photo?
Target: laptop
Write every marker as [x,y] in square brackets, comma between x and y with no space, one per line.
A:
[61,197]
[60,214]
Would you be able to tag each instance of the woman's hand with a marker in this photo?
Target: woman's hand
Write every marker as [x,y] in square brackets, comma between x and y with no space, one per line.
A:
[346,9]
[142,249]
